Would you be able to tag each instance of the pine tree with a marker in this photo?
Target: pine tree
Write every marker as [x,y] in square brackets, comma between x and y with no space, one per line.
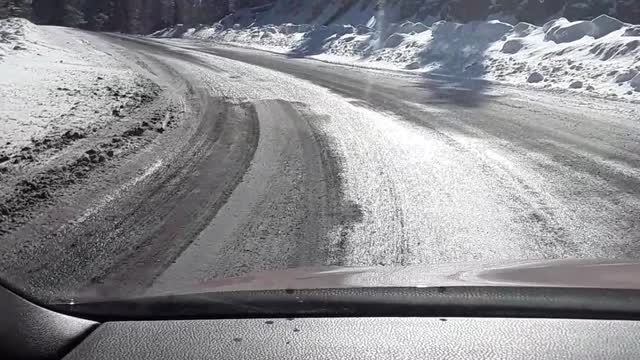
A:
[4,9]
[15,8]
[167,13]
[134,16]
[73,15]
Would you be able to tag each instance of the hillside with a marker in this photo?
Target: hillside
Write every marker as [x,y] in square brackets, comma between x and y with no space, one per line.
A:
[326,12]
[146,16]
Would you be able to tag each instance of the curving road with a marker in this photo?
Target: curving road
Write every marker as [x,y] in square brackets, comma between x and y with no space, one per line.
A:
[286,162]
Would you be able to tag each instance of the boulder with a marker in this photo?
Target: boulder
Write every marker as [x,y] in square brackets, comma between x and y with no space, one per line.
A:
[347,38]
[635,83]
[409,27]
[576,85]
[632,31]
[492,30]
[512,46]
[553,24]
[413,66]
[562,31]
[626,76]
[604,25]
[565,31]
[535,77]
[394,40]
[362,29]
[420,28]
[523,29]
[405,27]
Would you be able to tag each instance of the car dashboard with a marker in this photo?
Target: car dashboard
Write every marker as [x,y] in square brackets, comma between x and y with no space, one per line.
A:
[34,332]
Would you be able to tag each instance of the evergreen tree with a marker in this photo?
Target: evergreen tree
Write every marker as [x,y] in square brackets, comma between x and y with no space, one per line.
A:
[72,13]
[15,8]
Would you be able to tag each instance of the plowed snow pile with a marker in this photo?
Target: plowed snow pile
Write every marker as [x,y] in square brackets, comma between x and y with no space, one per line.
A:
[600,56]
[52,84]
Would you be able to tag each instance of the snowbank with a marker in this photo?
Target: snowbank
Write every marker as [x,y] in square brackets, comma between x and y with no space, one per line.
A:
[599,56]
[561,30]
[13,35]
[52,83]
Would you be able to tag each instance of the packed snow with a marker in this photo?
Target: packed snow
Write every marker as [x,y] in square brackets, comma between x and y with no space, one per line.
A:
[601,56]
[53,83]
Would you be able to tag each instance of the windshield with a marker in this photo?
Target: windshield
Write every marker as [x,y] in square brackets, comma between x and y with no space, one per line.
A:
[182,146]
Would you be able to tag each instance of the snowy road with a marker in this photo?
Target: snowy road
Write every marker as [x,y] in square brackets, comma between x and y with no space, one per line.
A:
[287,162]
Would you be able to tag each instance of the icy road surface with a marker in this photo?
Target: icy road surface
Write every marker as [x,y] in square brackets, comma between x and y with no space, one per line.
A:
[283,162]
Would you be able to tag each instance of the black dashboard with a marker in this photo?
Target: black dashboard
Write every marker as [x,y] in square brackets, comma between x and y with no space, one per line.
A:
[29,331]
[363,338]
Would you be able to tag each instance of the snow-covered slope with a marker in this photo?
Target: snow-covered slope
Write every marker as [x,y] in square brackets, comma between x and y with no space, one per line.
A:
[599,56]
[14,33]
[52,83]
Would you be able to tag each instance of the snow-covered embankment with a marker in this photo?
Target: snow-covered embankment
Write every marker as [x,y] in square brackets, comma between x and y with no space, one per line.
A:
[54,84]
[601,56]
